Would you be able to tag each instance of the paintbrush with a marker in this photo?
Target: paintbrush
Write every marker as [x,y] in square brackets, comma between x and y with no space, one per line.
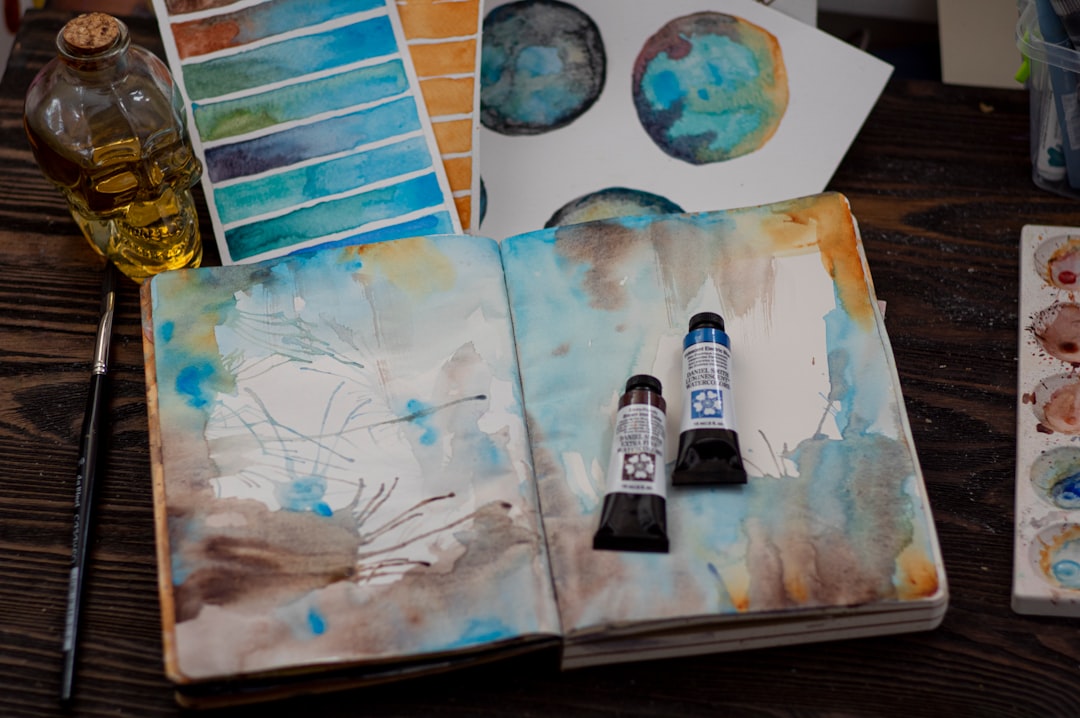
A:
[86,474]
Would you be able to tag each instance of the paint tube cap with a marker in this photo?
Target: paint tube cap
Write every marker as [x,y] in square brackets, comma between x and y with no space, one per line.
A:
[707,319]
[644,381]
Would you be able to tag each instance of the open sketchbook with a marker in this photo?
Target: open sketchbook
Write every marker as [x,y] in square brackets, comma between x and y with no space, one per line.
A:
[386,459]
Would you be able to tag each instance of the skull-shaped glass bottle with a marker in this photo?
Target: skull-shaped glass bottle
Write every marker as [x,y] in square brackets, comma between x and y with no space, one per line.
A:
[107,126]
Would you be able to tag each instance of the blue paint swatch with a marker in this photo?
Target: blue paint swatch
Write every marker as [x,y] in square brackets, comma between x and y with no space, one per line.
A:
[279,16]
[294,187]
[310,223]
[295,102]
[286,60]
[298,144]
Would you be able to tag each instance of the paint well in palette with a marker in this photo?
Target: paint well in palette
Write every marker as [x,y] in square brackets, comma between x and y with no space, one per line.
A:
[1056,551]
[1058,261]
[1055,476]
[1057,330]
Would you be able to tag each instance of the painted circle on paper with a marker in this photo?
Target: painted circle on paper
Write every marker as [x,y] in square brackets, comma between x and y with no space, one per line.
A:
[1056,551]
[611,202]
[1057,330]
[542,66]
[1055,477]
[709,87]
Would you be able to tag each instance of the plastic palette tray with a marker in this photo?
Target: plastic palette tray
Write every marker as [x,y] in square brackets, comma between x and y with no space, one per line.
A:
[1046,561]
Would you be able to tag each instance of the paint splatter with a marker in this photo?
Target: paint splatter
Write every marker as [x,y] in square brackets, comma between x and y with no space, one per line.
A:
[611,202]
[543,65]
[709,87]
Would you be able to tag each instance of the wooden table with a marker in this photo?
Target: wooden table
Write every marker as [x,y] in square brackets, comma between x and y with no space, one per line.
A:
[939,179]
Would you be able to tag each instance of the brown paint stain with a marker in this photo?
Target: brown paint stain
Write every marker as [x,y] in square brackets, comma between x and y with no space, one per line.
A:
[444,58]
[415,265]
[920,574]
[200,37]
[605,248]
[839,251]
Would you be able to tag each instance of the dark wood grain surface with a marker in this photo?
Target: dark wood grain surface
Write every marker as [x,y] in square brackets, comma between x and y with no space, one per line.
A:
[939,179]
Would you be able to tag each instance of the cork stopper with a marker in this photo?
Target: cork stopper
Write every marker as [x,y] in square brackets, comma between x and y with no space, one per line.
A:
[91,33]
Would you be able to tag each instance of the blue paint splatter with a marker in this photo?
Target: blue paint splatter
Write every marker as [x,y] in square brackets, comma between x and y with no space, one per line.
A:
[190,383]
[423,420]
[316,622]
[304,494]
[165,331]
[483,630]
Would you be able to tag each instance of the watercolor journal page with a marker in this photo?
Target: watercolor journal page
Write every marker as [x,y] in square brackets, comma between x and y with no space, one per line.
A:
[342,473]
[595,109]
[831,537]
[309,121]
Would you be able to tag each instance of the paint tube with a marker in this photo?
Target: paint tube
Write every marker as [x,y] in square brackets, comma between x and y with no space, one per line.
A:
[708,443]
[634,515]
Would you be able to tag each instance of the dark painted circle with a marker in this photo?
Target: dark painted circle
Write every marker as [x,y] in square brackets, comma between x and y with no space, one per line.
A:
[542,66]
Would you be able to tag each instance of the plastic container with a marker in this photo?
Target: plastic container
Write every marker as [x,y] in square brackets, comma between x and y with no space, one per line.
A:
[1053,67]
[108,127]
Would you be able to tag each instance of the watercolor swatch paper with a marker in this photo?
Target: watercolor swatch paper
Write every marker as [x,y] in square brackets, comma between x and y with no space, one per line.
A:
[309,122]
[390,458]
[595,109]
[443,38]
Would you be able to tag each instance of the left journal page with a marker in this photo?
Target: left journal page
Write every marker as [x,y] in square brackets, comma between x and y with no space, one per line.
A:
[342,475]
[310,123]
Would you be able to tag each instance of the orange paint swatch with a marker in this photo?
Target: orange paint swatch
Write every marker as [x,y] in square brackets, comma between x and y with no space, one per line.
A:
[443,37]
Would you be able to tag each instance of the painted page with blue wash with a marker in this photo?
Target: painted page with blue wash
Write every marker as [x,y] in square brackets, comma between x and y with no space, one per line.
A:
[341,469]
[380,460]
[832,537]
[309,121]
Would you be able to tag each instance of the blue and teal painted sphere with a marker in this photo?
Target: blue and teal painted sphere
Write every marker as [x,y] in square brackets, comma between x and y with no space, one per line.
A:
[709,87]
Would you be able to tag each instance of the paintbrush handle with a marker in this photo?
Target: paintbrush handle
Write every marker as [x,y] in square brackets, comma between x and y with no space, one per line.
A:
[85,477]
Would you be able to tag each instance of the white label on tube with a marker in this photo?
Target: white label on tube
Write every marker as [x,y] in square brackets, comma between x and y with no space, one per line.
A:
[707,372]
[637,453]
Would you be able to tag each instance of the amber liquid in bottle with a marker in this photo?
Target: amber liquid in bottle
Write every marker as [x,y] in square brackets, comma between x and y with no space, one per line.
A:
[107,128]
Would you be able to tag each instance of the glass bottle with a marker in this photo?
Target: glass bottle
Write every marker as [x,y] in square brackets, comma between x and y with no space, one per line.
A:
[107,126]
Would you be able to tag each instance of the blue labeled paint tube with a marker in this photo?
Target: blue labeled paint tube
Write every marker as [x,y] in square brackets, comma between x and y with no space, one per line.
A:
[708,442]
[634,515]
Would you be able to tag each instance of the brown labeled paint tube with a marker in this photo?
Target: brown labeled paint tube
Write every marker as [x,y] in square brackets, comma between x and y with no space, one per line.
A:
[708,443]
[634,515]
